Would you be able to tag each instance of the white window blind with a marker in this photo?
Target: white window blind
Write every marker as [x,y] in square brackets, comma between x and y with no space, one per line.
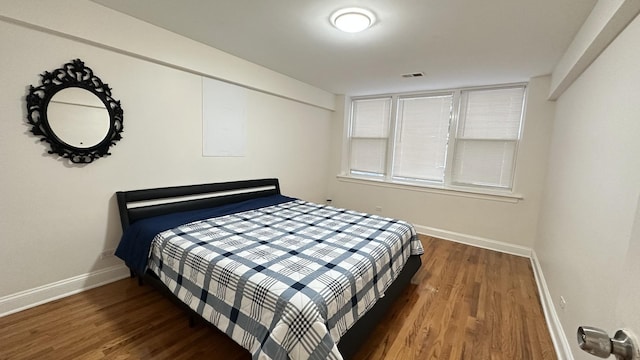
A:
[422,132]
[488,133]
[369,136]
[447,139]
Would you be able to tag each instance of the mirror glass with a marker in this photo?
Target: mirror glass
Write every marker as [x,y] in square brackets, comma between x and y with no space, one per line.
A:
[78,117]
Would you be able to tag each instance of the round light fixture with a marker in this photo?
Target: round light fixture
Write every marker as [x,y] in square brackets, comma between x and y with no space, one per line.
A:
[352,20]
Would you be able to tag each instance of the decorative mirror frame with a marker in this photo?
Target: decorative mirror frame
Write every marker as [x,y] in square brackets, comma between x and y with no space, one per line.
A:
[73,74]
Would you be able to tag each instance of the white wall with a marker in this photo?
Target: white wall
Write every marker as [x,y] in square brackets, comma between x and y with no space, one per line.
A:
[592,188]
[78,20]
[457,216]
[56,219]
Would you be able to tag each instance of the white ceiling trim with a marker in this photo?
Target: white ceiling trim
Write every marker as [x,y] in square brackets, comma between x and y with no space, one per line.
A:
[75,20]
[603,25]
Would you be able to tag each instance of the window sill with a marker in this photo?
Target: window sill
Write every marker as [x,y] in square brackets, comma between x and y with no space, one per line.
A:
[483,194]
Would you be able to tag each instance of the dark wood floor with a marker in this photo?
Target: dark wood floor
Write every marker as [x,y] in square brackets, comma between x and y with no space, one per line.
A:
[465,303]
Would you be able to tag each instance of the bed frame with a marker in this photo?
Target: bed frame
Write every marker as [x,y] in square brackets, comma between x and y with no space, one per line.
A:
[140,204]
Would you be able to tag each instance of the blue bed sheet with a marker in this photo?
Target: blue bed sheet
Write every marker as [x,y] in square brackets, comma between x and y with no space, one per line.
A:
[136,240]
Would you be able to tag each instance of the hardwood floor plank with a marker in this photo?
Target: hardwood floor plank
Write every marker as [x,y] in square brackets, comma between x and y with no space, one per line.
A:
[464,303]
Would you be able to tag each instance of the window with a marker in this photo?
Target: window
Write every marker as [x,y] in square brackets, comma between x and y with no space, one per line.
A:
[422,132]
[487,137]
[370,136]
[465,137]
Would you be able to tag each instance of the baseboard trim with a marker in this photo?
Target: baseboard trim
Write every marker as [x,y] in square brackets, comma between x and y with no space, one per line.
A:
[475,241]
[33,297]
[558,336]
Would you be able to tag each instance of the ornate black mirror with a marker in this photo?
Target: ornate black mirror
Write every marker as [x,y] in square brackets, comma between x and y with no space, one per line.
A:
[73,111]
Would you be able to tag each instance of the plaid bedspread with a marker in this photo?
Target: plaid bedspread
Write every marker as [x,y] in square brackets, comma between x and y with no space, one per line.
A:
[284,281]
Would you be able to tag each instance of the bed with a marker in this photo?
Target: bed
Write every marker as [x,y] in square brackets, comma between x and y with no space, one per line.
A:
[283,277]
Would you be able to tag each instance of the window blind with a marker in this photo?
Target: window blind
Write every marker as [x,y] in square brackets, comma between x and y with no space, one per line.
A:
[486,141]
[450,138]
[422,132]
[369,135]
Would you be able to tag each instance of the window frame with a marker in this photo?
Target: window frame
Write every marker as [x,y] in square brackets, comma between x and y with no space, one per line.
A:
[387,139]
[447,184]
[395,122]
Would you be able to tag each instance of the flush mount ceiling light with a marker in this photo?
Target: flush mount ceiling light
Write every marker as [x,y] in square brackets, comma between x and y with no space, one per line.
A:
[352,20]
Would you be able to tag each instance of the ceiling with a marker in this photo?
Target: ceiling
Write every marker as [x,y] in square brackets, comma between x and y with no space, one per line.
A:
[454,42]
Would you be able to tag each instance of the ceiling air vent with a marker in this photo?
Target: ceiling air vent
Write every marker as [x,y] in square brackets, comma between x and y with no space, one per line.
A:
[412,75]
